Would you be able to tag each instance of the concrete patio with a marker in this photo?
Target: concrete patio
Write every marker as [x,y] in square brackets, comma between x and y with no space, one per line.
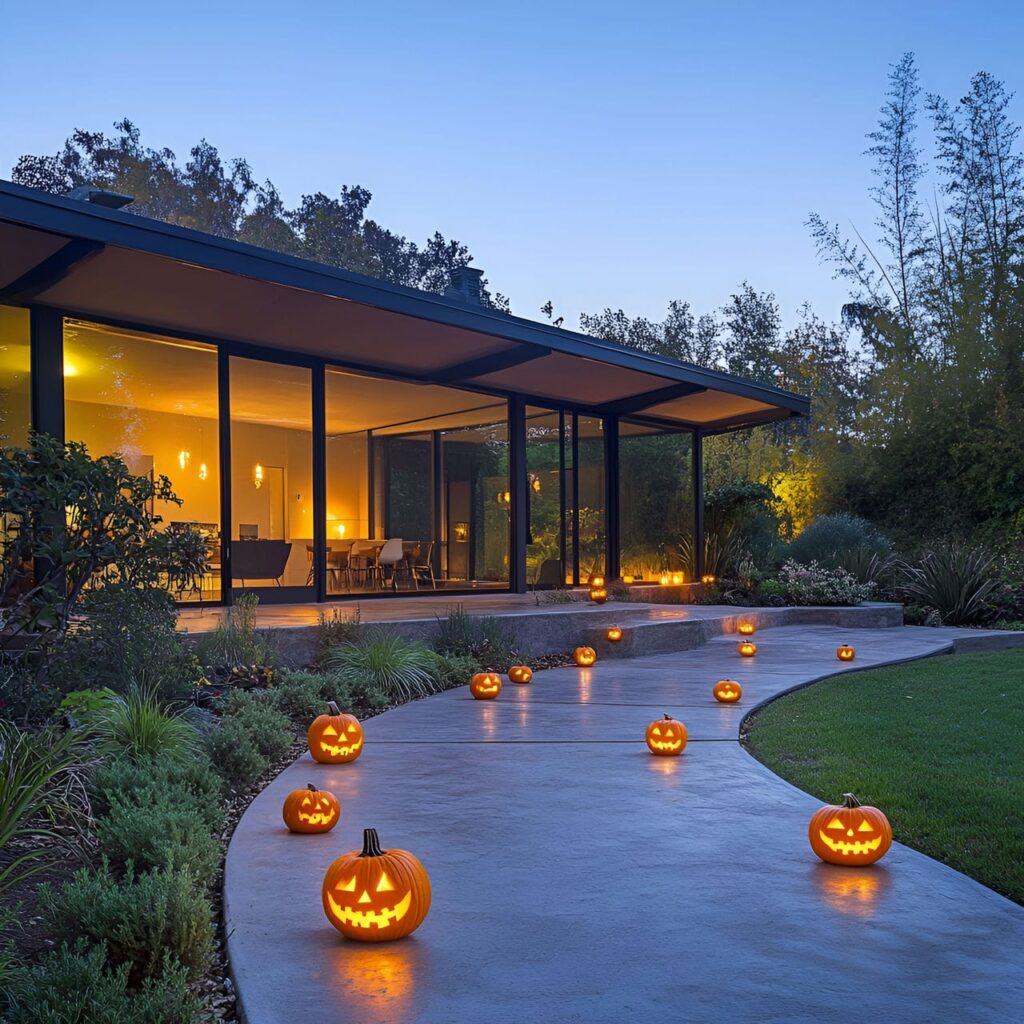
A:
[578,878]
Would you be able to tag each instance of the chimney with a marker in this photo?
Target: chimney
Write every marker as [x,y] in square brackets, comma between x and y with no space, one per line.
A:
[465,285]
[100,197]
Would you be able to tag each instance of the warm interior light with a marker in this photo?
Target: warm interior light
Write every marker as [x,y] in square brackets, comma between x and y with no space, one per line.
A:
[677,578]
[504,498]
[461,531]
[183,457]
[257,476]
[665,579]
[341,529]
[535,483]
[202,470]
[70,370]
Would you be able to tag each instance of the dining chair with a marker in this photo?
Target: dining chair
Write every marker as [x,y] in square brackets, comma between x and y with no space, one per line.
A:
[388,558]
[423,568]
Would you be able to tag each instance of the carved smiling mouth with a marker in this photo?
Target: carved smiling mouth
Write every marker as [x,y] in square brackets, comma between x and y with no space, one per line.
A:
[337,750]
[366,918]
[665,744]
[317,817]
[845,848]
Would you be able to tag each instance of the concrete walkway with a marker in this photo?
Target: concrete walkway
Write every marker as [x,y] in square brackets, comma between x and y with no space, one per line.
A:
[578,878]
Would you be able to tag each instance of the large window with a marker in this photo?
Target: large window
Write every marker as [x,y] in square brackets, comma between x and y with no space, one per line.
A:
[590,497]
[15,396]
[152,401]
[546,465]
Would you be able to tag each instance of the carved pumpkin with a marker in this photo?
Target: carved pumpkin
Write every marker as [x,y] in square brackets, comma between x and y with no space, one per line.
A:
[520,674]
[708,579]
[335,738]
[665,579]
[845,653]
[614,634]
[485,685]
[585,656]
[666,737]
[375,895]
[311,810]
[747,648]
[745,629]
[727,691]
[678,578]
[596,581]
[850,833]
[599,594]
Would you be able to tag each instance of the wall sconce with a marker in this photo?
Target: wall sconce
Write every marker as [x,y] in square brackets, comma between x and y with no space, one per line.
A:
[257,476]
[503,498]
[461,532]
[202,470]
[183,457]
[535,483]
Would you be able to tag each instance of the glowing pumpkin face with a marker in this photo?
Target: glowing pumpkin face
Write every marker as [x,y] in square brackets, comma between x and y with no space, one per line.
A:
[678,579]
[850,833]
[666,737]
[747,648]
[485,685]
[614,634]
[665,579]
[745,629]
[598,595]
[597,581]
[585,656]
[311,810]
[708,579]
[845,653]
[727,691]
[335,738]
[375,895]
[520,674]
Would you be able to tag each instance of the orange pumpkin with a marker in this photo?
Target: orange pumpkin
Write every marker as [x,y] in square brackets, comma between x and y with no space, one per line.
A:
[665,579]
[845,653]
[585,656]
[614,633]
[599,594]
[747,648]
[708,579]
[335,738]
[485,685]
[520,674]
[596,581]
[850,833]
[727,691]
[666,737]
[375,895]
[311,810]
[745,629]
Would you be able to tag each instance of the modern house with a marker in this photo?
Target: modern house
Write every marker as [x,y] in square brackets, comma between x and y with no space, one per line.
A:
[332,434]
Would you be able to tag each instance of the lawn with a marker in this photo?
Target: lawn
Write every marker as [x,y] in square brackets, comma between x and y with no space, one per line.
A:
[937,744]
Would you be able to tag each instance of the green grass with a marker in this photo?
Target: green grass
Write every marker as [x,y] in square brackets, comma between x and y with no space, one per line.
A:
[937,744]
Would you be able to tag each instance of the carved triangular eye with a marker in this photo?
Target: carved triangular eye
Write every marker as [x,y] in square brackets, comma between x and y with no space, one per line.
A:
[353,728]
[306,801]
[835,823]
[657,730]
[330,731]
[384,885]
[349,886]
[864,827]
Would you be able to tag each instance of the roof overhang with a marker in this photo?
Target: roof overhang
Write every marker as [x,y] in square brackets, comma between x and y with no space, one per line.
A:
[116,267]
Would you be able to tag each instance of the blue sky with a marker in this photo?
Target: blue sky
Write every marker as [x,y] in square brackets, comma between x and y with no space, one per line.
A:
[590,153]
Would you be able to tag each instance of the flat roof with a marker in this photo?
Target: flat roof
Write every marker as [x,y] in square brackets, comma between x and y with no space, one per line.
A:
[117,267]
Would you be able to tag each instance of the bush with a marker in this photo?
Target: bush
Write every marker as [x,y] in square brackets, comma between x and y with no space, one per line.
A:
[147,782]
[334,631]
[490,641]
[954,579]
[139,727]
[73,985]
[140,918]
[813,584]
[234,754]
[235,645]
[828,536]
[456,669]
[386,664]
[270,731]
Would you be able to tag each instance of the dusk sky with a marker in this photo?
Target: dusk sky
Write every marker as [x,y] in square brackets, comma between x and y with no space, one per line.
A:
[592,154]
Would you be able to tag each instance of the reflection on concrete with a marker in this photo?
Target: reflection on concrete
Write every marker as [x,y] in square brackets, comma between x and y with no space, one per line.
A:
[376,982]
[857,892]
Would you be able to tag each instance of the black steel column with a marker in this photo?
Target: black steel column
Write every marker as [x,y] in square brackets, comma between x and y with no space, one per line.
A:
[698,504]
[371,486]
[575,500]
[224,458]
[46,328]
[611,497]
[563,555]
[519,483]
[437,502]
[319,484]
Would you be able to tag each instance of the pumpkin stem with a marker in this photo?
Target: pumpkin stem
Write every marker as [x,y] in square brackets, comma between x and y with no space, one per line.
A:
[333,708]
[371,844]
[850,801]
[668,718]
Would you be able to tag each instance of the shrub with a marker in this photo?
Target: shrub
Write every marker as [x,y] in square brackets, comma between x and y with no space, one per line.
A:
[74,985]
[341,627]
[235,644]
[456,669]
[301,695]
[234,754]
[386,664]
[954,579]
[140,917]
[269,730]
[829,535]
[491,641]
[866,563]
[813,584]
[138,727]
[148,782]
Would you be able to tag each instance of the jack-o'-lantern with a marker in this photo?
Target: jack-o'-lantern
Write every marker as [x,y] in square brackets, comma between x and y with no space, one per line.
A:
[335,738]
[375,895]
[311,810]
[599,594]
[666,737]
[596,581]
[520,674]
[665,579]
[845,653]
[585,656]
[745,629]
[747,648]
[677,579]
[614,634]
[485,685]
[707,579]
[727,691]
[850,833]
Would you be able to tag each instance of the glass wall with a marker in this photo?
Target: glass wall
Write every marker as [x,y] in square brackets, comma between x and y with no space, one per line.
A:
[152,401]
[590,497]
[545,466]
[655,502]
[15,380]
[271,477]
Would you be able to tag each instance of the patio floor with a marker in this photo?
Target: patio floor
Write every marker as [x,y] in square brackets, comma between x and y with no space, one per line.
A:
[577,878]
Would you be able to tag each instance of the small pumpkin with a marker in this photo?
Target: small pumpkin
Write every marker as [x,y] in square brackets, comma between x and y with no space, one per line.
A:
[596,581]
[485,685]
[747,648]
[520,674]
[745,629]
[678,578]
[666,737]
[585,656]
[707,579]
[311,810]
[665,579]
[614,634]
[727,691]
[335,738]
[599,594]
[375,895]
[845,652]
[850,833]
